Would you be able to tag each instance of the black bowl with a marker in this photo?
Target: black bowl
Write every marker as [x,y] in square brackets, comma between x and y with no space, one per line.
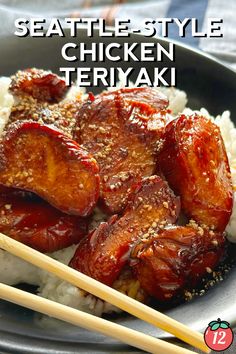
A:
[209,84]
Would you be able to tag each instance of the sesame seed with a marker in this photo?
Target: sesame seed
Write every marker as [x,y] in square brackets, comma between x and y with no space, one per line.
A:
[166,205]
[200,231]
[209,270]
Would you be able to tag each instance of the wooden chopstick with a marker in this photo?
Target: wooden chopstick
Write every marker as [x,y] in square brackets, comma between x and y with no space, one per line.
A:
[104,292]
[90,322]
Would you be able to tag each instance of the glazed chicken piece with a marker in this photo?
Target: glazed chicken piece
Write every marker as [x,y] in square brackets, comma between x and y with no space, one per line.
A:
[37,224]
[38,96]
[42,85]
[42,160]
[103,254]
[175,259]
[61,115]
[122,129]
[195,164]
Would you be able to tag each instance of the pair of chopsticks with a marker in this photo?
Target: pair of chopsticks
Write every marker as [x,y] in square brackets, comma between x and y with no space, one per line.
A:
[76,317]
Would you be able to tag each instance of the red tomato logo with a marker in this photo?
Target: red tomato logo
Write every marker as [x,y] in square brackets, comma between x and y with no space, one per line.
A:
[218,336]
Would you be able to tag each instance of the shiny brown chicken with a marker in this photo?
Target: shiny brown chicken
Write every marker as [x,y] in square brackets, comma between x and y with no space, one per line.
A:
[172,258]
[42,160]
[130,134]
[42,85]
[39,97]
[176,259]
[196,166]
[37,224]
[23,216]
[103,254]
[122,130]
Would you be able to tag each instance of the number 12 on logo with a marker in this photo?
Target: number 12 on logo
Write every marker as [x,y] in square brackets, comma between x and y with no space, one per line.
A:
[218,335]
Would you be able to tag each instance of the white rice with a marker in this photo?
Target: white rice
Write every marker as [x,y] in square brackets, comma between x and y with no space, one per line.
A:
[6,102]
[177,99]
[15,271]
